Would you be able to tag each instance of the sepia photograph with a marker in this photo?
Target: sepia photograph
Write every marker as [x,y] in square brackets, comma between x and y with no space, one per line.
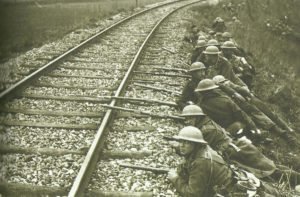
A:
[149,98]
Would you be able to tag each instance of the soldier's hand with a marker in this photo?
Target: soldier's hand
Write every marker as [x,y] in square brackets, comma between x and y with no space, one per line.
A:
[172,175]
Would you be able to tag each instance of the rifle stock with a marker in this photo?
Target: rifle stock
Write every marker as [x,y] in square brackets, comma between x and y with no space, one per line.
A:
[145,168]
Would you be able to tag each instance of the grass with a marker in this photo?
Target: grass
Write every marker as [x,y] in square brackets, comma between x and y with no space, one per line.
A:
[28,25]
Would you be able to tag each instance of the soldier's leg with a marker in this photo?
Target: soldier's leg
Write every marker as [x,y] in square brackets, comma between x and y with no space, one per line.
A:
[265,109]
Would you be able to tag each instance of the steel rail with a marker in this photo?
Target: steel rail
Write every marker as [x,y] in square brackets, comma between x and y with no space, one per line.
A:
[90,161]
[15,89]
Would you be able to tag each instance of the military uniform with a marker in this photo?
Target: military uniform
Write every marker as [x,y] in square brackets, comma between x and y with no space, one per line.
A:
[188,94]
[260,113]
[223,110]
[248,157]
[222,67]
[242,69]
[195,55]
[257,116]
[201,172]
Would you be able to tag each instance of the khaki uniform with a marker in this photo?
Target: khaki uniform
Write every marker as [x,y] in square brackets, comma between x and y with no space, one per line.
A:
[188,94]
[242,69]
[202,171]
[223,110]
[257,116]
[249,157]
[222,67]
[257,103]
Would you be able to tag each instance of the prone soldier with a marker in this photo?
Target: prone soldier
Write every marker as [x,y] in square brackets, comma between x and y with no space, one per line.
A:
[240,152]
[241,67]
[218,65]
[197,71]
[205,173]
[237,93]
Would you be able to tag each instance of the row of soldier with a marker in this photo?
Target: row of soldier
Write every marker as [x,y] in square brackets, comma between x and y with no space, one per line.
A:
[223,121]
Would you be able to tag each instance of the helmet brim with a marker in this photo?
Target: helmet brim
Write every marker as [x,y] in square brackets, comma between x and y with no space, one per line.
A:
[194,114]
[189,139]
[211,53]
[209,88]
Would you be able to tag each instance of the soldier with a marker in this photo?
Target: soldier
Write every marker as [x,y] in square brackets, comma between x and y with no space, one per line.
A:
[240,151]
[213,42]
[218,65]
[241,67]
[219,25]
[200,47]
[237,93]
[204,173]
[222,109]
[226,36]
[197,71]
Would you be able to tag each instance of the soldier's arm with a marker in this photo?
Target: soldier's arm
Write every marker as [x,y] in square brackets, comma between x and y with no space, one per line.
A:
[243,90]
[196,184]
[232,77]
[185,96]
[240,115]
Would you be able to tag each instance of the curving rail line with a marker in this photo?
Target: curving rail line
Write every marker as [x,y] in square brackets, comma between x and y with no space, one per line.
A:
[84,174]
[91,158]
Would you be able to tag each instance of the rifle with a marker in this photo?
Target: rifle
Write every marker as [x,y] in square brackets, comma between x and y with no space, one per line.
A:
[172,104]
[173,52]
[143,112]
[145,168]
[168,138]
[170,69]
[159,89]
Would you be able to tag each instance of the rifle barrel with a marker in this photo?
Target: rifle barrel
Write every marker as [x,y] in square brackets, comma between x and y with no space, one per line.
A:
[145,168]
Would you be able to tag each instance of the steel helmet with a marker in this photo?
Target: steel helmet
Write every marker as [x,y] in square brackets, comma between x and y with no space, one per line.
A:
[192,110]
[191,134]
[197,66]
[201,37]
[206,84]
[228,45]
[201,43]
[219,20]
[211,32]
[218,34]
[213,42]
[226,35]
[219,79]
[211,50]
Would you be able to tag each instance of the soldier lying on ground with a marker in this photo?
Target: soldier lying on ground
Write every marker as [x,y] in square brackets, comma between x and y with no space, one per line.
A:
[205,173]
[222,109]
[218,65]
[262,120]
[241,67]
[240,152]
[188,95]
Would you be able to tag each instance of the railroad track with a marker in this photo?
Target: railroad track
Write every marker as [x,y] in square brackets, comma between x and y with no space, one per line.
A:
[53,131]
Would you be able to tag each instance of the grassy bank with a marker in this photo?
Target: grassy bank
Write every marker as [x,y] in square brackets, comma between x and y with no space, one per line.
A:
[269,32]
[28,25]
